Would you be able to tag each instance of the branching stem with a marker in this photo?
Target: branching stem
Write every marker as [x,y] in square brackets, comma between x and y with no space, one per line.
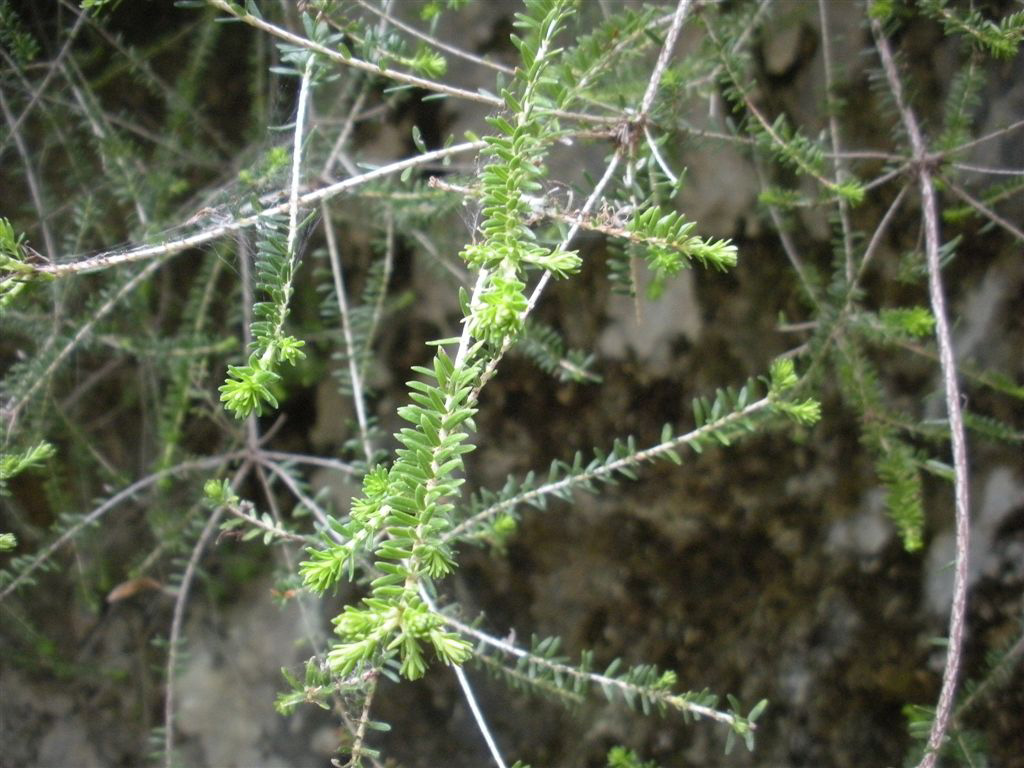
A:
[391,74]
[199,465]
[672,700]
[116,258]
[682,8]
[606,470]
[947,362]
[467,691]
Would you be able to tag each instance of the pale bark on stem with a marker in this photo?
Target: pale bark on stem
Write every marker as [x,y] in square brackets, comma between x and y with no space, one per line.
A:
[833,128]
[663,57]
[358,396]
[983,209]
[467,691]
[419,82]
[947,362]
[300,122]
[116,258]
[605,470]
[675,701]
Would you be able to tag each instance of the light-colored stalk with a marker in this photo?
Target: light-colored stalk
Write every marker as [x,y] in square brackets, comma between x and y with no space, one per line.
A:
[947,362]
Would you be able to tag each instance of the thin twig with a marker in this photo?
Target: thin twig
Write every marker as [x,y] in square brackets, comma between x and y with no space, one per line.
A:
[467,691]
[454,268]
[632,43]
[833,128]
[1016,172]
[252,428]
[768,127]
[307,502]
[115,258]
[300,122]
[11,410]
[358,396]
[595,194]
[301,458]
[983,209]
[346,131]
[992,679]
[310,616]
[704,133]
[605,470]
[30,178]
[385,280]
[788,246]
[170,93]
[51,70]
[392,74]
[102,134]
[626,688]
[851,289]
[354,113]
[364,721]
[749,29]
[658,158]
[114,501]
[492,364]
[179,617]
[980,140]
[947,362]
[244,513]
[682,9]
[433,41]
[588,206]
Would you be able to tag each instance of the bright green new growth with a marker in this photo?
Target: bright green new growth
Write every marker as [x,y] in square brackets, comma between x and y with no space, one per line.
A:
[517,151]
[12,260]
[399,521]
[402,521]
[13,464]
[671,246]
[1001,39]
[250,386]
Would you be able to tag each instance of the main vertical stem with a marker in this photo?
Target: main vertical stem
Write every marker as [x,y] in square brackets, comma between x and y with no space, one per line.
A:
[944,708]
